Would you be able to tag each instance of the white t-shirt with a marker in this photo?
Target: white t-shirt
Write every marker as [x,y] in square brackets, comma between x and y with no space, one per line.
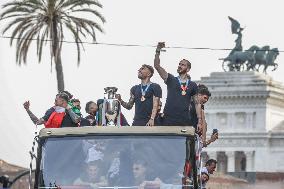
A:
[204,170]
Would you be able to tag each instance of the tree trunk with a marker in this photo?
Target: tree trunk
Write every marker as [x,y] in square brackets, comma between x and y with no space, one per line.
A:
[59,74]
[56,51]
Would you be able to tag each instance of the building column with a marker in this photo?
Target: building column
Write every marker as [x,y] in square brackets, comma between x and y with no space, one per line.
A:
[212,155]
[249,120]
[249,161]
[231,161]
[231,120]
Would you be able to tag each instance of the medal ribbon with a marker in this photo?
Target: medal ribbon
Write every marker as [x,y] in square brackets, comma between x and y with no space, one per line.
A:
[146,89]
[183,88]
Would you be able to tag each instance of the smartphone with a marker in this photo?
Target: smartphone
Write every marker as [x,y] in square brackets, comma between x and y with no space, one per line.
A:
[215,131]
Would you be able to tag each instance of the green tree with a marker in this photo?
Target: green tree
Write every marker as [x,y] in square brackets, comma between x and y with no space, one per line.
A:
[46,22]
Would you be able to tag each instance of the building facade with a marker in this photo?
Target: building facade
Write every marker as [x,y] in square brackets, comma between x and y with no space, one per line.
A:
[248,110]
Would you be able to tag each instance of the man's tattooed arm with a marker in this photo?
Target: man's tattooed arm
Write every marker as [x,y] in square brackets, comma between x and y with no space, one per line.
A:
[34,119]
[128,105]
[198,112]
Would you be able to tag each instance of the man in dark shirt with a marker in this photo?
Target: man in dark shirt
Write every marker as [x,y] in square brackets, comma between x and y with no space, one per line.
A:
[180,92]
[203,95]
[91,109]
[146,98]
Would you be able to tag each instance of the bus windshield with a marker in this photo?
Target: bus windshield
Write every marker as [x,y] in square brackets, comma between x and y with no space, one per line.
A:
[113,161]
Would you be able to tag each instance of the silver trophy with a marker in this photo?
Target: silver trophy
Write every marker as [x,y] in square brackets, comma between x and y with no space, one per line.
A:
[111,108]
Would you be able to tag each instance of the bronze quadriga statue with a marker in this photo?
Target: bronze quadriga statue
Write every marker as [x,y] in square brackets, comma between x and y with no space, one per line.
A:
[251,59]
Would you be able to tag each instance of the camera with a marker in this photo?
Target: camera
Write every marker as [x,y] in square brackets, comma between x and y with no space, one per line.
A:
[215,131]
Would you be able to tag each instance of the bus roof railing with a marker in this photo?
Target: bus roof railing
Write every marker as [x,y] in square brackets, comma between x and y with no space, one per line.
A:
[117,130]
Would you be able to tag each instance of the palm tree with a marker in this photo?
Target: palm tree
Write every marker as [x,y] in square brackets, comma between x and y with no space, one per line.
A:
[46,21]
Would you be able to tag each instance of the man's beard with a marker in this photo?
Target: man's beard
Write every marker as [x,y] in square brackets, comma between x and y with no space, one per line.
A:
[140,77]
[180,71]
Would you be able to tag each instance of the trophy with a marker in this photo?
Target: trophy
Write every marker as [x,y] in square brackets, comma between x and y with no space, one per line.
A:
[111,108]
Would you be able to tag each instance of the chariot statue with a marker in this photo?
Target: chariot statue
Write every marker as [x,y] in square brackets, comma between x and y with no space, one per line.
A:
[253,58]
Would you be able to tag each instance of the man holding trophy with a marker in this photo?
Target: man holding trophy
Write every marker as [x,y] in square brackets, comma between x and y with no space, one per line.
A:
[145,96]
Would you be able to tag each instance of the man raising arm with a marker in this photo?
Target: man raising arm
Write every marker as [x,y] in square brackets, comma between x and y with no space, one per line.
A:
[180,92]
[30,113]
[162,72]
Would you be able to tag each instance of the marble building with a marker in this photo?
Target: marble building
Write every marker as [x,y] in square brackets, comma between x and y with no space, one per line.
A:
[248,110]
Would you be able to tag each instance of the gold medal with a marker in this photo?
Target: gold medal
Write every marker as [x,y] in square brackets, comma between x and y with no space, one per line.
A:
[142,98]
[183,86]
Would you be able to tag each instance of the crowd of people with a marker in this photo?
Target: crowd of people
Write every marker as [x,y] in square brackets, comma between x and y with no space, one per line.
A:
[184,105]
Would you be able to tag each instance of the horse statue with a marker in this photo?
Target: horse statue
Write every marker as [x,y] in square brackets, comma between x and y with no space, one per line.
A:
[251,64]
[270,57]
[260,56]
[237,60]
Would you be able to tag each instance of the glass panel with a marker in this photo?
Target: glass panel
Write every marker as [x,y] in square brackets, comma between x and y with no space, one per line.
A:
[108,161]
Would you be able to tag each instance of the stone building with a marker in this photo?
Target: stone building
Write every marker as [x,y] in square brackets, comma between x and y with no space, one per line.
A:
[12,171]
[248,110]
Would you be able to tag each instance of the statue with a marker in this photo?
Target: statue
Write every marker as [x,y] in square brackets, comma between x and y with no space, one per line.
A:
[251,59]
[235,58]
[268,59]
[236,29]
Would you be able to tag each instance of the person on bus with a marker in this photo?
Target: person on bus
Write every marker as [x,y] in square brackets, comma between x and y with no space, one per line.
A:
[91,109]
[145,96]
[60,115]
[180,92]
[92,175]
[210,166]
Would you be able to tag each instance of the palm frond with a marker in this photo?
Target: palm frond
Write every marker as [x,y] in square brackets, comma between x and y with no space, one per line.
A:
[96,13]
[70,4]
[24,43]
[12,23]
[77,39]
[88,22]
[14,15]
[44,21]
[22,26]
[16,9]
